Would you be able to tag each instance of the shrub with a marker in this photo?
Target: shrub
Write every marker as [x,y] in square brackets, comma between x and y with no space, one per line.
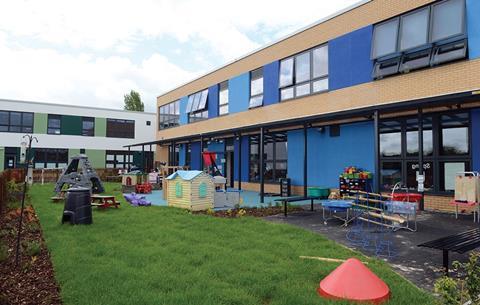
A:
[32,248]
[3,252]
[466,287]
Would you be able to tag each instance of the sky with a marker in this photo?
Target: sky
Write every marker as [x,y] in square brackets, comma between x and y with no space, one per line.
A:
[92,52]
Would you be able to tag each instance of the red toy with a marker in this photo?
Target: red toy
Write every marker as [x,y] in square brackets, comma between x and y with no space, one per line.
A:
[354,282]
[145,188]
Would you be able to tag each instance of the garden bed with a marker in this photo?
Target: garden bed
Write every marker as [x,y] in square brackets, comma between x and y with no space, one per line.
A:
[33,282]
[255,212]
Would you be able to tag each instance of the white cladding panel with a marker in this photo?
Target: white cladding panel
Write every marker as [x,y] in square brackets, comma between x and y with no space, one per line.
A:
[143,133]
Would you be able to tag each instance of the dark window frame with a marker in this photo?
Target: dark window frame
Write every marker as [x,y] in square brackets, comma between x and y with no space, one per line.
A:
[46,153]
[433,52]
[117,162]
[436,158]
[255,161]
[88,132]
[223,86]
[168,118]
[120,128]
[198,116]
[17,128]
[256,75]
[312,79]
[51,129]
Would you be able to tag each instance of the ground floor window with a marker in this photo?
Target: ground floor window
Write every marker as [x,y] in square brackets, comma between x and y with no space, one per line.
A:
[275,157]
[50,158]
[118,159]
[446,150]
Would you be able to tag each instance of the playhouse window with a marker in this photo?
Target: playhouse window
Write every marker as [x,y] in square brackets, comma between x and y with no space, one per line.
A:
[202,190]
[178,190]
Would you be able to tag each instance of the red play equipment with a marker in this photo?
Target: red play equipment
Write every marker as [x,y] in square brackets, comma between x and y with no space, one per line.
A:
[145,188]
[354,282]
[209,161]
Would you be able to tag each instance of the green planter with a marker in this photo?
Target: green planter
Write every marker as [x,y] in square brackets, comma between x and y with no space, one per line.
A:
[318,192]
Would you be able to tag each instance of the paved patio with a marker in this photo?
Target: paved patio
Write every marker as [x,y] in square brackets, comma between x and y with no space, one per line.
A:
[420,265]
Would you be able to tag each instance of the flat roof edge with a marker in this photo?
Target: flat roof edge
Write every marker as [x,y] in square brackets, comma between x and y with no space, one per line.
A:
[76,106]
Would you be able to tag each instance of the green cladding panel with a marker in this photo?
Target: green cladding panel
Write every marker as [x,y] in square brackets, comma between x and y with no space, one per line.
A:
[96,157]
[71,125]
[100,127]
[73,152]
[2,158]
[40,121]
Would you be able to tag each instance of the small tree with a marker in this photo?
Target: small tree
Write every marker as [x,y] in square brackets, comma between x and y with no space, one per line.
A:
[133,102]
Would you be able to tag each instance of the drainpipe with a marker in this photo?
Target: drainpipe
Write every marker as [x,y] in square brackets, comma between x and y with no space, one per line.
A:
[420,156]
[305,154]
[262,180]
[240,161]
[376,147]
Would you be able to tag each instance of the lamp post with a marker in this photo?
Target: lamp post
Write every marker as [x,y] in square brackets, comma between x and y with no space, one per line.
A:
[27,161]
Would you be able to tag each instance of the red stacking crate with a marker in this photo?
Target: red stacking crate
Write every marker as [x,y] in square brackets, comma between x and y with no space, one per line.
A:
[407,197]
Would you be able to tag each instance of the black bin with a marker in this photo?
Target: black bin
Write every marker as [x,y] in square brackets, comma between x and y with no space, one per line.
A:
[285,187]
[78,208]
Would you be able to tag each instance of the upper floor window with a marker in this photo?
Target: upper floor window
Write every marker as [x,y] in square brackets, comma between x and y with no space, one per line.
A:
[88,126]
[223,98]
[12,121]
[54,124]
[425,37]
[169,115]
[304,74]
[118,128]
[197,106]
[256,88]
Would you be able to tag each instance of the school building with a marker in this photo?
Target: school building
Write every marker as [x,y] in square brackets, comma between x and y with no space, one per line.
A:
[391,86]
[66,130]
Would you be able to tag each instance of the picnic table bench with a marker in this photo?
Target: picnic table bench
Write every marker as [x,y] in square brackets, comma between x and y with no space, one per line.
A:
[104,201]
[287,200]
[460,243]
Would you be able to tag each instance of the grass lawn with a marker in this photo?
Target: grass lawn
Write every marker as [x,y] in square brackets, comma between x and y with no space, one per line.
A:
[160,255]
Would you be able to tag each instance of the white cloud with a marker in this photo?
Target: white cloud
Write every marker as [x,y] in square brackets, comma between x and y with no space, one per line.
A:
[82,52]
[47,75]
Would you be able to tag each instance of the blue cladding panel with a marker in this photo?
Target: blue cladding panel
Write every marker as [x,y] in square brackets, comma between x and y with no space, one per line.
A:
[245,156]
[183,110]
[239,93]
[349,61]
[216,147]
[195,156]
[271,94]
[182,154]
[473,28]
[213,101]
[475,139]
[328,156]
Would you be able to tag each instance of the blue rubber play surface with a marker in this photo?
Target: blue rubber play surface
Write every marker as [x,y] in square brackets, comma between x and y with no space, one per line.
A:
[248,199]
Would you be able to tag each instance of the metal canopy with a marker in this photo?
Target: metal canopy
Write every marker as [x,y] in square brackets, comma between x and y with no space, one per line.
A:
[443,100]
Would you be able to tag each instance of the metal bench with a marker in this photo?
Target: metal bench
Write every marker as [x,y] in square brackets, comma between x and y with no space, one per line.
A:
[460,243]
[287,200]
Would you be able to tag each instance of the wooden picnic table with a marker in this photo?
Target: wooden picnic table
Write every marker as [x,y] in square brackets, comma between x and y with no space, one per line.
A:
[58,197]
[460,243]
[104,201]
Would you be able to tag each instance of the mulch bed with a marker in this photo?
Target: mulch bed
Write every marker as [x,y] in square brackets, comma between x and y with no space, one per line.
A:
[33,281]
[255,212]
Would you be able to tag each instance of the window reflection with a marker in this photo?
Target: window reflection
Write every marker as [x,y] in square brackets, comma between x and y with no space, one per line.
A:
[391,144]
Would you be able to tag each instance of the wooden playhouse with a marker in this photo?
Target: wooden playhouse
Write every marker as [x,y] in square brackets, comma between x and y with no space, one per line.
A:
[191,190]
